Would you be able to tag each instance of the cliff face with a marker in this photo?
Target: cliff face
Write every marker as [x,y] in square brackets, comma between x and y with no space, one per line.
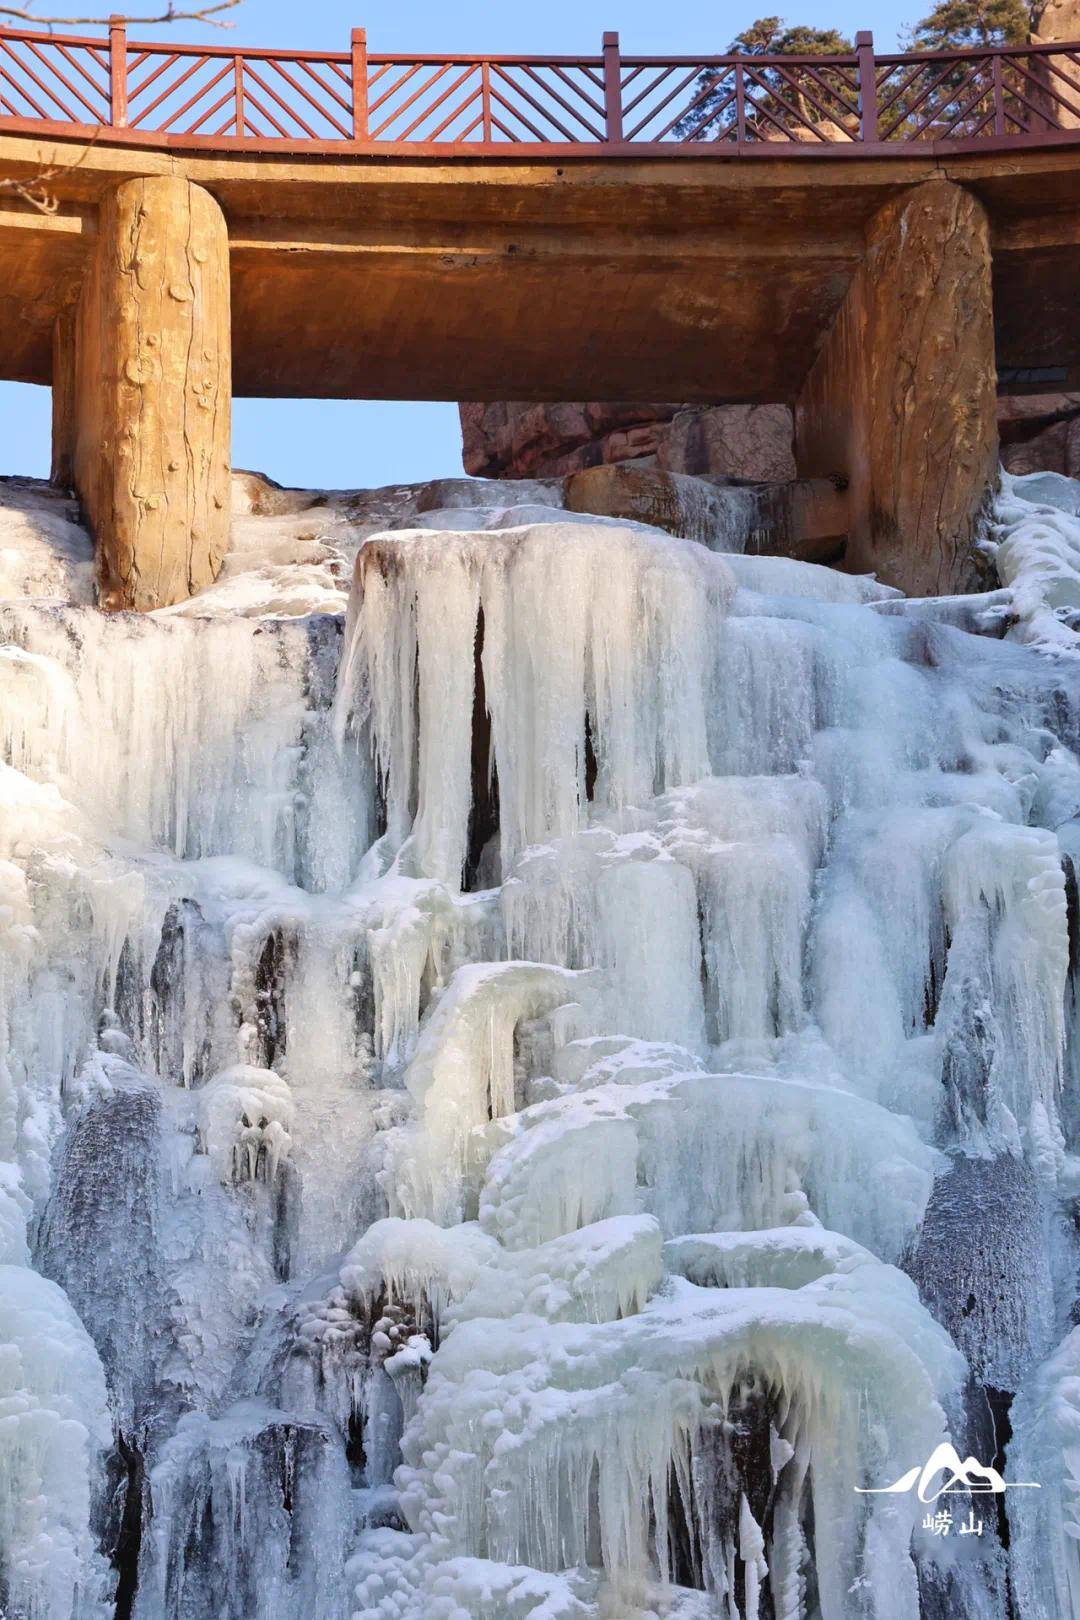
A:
[1058,20]
[524,440]
[517,439]
[1040,433]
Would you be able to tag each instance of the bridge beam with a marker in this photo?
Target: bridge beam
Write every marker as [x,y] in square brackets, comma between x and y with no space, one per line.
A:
[151,395]
[901,396]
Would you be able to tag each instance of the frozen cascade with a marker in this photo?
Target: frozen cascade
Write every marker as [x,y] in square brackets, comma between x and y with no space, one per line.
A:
[524,1084]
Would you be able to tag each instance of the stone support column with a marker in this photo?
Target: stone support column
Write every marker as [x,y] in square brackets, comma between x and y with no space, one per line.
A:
[901,397]
[152,393]
[62,470]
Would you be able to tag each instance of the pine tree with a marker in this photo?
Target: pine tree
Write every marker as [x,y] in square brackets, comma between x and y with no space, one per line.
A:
[964,25]
[768,36]
[771,36]
[954,24]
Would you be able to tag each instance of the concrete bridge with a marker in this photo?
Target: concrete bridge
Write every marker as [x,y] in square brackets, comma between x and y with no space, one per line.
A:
[873,239]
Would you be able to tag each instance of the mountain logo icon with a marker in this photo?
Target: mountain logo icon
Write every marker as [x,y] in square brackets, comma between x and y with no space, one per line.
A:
[944,1474]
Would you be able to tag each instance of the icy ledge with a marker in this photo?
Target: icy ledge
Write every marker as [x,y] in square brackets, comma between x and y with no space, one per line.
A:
[475,1072]
[1035,545]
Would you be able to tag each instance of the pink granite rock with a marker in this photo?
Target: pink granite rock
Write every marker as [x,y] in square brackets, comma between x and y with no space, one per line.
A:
[1040,433]
[527,440]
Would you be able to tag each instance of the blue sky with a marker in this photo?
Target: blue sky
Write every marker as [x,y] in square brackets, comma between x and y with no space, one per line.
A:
[335,443]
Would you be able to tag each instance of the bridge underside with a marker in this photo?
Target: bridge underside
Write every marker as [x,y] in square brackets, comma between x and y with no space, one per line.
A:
[491,279]
[408,279]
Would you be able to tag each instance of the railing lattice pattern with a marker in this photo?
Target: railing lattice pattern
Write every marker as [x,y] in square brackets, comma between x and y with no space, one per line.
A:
[169,94]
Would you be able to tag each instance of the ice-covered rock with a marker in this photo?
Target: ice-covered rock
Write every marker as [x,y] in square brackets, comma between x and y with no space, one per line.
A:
[45,551]
[631,1420]
[1044,1458]
[246,1116]
[476,1046]
[54,1430]
[1036,550]
[249,1513]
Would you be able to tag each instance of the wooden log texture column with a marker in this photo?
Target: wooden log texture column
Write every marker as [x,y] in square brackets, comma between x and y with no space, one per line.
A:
[153,393]
[901,398]
[62,471]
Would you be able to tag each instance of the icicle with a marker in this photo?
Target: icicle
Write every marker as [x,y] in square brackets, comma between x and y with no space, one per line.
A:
[249,1513]
[475,1065]
[462,1076]
[246,1117]
[54,1426]
[623,641]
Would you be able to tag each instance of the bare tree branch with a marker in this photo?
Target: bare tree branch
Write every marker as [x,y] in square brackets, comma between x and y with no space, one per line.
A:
[207,14]
[35,189]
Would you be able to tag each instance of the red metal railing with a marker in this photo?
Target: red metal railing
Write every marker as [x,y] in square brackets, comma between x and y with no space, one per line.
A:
[217,96]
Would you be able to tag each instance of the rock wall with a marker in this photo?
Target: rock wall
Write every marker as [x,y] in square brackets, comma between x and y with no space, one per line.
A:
[1040,433]
[732,441]
[1057,20]
[518,439]
[1037,431]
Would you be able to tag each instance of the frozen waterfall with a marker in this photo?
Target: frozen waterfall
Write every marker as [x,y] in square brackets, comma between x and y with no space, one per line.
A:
[539,1070]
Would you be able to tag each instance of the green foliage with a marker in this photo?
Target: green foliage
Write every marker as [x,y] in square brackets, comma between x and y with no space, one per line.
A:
[768,36]
[956,23]
[772,36]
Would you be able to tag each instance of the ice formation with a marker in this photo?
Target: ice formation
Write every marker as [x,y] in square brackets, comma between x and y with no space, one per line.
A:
[535,1082]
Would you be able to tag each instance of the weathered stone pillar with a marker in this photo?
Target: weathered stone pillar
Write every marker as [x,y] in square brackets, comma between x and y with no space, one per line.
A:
[901,397]
[153,393]
[62,470]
